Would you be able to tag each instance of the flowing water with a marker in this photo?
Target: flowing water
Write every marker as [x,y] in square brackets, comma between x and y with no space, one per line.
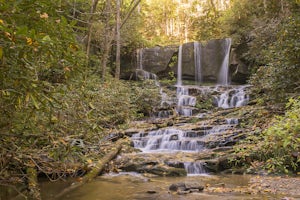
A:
[224,71]
[197,60]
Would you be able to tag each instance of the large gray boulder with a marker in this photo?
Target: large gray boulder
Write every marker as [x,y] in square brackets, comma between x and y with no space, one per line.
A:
[156,59]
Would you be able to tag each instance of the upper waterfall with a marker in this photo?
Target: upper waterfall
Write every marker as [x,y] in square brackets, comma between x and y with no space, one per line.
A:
[197,58]
[179,66]
[139,58]
[223,77]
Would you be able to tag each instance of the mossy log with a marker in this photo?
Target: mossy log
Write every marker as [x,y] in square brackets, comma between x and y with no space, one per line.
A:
[95,171]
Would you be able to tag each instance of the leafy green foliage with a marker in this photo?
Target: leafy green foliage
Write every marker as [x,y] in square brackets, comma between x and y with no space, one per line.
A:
[277,149]
[282,72]
[281,141]
[47,98]
[145,96]
[268,33]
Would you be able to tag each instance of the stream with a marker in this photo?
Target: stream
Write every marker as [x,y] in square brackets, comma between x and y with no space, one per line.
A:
[133,186]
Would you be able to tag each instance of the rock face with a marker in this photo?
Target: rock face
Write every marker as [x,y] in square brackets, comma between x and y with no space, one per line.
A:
[211,57]
[156,59]
[203,60]
[238,69]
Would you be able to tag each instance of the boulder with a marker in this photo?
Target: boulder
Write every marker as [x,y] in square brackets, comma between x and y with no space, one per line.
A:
[153,167]
[185,188]
[157,59]
[177,186]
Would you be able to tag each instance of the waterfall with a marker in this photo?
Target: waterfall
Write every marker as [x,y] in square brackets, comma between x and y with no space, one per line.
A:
[179,66]
[223,74]
[197,60]
[232,98]
[139,58]
[167,140]
[194,168]
[144,75]
[185,102]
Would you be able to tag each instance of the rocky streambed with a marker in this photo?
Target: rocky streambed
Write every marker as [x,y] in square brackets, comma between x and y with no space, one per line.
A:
[186,146]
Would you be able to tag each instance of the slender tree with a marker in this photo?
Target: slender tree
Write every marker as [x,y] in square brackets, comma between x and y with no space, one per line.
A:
[118,62]
[90,23]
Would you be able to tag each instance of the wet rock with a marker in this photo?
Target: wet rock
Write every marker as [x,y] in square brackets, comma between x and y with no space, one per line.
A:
[212,165]
[174,137]
[187,187]
[194,186]
[177,186]
[166,171]
[175,164]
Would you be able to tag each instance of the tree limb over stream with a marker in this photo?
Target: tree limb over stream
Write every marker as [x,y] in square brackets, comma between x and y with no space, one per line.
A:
[95,171]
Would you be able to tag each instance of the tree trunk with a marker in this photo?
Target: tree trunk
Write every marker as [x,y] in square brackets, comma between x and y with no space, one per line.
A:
[107,39]
[105,55]
[90,23]
[118,49]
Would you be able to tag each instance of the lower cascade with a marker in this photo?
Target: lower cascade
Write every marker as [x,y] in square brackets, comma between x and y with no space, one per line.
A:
[189,140]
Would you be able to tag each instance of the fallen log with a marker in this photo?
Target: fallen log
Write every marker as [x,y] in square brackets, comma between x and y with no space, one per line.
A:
[95,171]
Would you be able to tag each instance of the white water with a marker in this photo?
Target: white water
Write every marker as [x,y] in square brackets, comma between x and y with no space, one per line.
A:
[139,58]
[194,168]
[223,74]
[166,140]
[197,60]
[234,97]
[185,102]
[170,140]
[179,66]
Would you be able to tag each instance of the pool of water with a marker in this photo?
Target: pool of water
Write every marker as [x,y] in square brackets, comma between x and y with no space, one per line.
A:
[138,187]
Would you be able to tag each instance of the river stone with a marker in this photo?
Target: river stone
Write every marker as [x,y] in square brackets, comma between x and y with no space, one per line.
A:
[177,186]
[194,186]
[187,186]
[166,171]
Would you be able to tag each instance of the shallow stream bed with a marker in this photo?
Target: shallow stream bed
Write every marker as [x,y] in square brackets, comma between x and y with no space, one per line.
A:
[138,187]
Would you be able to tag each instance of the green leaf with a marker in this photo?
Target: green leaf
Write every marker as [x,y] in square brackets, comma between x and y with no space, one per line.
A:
[47,39]
[34,102]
